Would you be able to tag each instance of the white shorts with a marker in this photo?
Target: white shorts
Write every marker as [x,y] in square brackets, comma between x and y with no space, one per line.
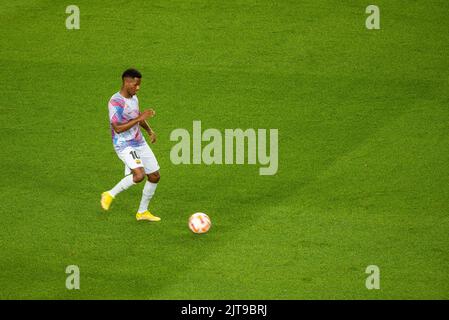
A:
[139,157]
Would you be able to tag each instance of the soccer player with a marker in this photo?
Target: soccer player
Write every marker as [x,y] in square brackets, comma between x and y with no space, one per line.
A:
[130,145]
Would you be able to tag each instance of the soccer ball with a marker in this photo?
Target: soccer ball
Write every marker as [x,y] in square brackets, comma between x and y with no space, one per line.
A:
[199,222]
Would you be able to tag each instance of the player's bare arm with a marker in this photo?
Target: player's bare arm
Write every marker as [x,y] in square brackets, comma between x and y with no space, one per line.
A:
[121,127]
[150,131]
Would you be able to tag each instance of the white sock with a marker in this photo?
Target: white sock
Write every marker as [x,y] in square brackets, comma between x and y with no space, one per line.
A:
[147,194]
[124,184]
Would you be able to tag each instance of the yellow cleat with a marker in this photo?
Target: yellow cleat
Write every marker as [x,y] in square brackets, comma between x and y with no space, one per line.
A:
[147,216]
[106,200]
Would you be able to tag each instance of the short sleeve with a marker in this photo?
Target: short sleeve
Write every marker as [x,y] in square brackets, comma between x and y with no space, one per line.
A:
[116,107]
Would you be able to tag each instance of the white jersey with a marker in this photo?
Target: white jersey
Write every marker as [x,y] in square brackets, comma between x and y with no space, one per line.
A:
[122,110]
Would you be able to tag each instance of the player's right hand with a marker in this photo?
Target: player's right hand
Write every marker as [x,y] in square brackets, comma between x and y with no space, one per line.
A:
[147,114]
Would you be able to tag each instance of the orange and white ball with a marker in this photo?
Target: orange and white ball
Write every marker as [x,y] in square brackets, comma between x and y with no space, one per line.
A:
[199,222]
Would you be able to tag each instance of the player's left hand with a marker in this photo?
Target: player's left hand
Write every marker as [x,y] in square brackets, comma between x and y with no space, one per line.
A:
[152,136]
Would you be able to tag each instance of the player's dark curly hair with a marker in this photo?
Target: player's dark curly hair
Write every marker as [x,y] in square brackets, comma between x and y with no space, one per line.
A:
[131,73]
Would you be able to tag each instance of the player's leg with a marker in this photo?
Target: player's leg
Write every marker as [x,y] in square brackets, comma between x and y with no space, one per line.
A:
[154,177]
[132,161]
[148,190]
[138,175]
[151,167]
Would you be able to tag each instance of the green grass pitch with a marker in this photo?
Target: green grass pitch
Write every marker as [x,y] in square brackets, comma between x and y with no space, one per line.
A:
[363,120]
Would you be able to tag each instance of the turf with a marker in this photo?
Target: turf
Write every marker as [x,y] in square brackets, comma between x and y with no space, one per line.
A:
[363,150]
